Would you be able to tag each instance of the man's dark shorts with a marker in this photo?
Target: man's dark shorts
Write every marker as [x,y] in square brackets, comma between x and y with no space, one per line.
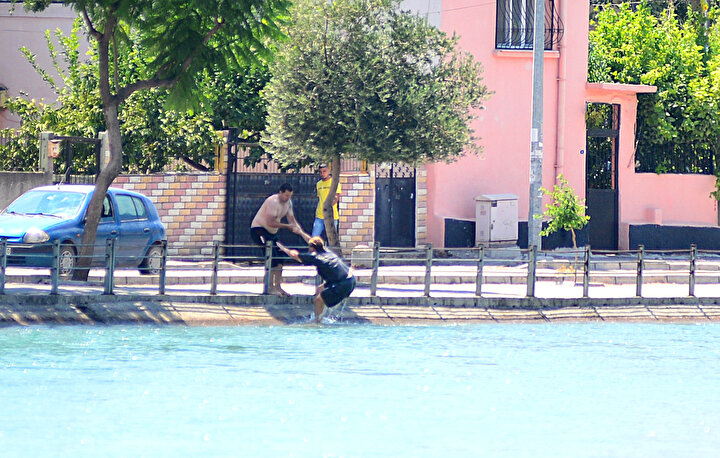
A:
[260,235]
[337,291]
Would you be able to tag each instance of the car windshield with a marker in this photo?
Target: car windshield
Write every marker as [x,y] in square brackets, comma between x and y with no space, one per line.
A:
[61,204]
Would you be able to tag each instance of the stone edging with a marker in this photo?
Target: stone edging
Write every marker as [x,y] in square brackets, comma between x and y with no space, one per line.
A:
[270,310]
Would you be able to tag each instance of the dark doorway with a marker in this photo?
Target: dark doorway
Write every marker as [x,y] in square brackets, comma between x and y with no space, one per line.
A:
[395,205]
[246,191]
[603,127]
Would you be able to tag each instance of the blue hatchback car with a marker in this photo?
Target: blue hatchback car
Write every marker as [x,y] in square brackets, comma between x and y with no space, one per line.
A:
[43,215]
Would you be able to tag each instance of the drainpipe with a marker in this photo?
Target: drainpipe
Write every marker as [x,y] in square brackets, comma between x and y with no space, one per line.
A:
[561,93]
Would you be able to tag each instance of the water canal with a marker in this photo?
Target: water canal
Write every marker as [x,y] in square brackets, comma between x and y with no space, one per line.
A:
[584,389]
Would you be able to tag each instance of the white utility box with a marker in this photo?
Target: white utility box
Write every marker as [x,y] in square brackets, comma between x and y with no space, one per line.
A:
[496,218]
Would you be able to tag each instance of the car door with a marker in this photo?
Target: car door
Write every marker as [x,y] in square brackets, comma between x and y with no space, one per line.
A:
[134,229]
[107,229]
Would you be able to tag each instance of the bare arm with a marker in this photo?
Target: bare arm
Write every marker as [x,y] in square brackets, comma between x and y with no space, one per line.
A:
[291,216]
[298,230]
[292,253]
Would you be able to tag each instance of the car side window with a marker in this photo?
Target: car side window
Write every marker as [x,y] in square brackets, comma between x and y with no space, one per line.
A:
[130,208]
[140,207]
[107,211]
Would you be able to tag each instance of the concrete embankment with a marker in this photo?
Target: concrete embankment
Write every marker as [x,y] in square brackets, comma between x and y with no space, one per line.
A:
[228,310]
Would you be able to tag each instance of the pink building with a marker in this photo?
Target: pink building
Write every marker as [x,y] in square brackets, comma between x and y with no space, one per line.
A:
[626,208]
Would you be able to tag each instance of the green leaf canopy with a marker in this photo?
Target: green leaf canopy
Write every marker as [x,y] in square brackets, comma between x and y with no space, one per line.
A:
[360,78]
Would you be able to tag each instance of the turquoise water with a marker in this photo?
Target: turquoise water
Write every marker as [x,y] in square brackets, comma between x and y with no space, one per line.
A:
[360,390]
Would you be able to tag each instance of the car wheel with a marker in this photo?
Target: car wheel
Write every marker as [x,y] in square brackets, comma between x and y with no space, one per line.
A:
[152,262]
[67,260]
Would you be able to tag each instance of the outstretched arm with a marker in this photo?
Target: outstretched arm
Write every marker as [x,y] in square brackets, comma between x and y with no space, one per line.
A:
[298,230]
[292,253]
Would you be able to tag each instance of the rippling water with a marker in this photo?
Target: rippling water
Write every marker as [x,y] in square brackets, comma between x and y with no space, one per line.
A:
[360,390]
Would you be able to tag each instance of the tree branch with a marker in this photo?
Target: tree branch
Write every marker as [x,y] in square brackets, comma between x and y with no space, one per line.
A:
[126,91]
[91,28]
[115,58]
[104,58]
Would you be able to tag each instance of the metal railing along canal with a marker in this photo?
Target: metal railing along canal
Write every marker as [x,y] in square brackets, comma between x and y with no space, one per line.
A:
[422,270]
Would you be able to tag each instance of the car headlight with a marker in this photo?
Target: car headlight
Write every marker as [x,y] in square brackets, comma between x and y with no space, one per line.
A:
[35,235]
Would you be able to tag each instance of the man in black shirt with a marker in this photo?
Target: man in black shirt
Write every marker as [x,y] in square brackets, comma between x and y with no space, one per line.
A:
[339,281]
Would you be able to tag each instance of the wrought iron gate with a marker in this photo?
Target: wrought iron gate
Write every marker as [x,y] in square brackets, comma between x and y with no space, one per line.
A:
[395,205]
[603,127]
[246,191]
[78,161]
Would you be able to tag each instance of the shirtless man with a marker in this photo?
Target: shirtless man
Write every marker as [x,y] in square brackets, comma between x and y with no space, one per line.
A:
[265,227]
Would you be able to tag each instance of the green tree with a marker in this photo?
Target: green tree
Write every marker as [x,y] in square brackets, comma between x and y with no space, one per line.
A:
[182,39]
[683,8]
[152,135]
[360,78]
[566,211]
[682,119]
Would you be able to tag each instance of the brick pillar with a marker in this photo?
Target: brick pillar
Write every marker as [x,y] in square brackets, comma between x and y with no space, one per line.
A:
[357,210]
[421,209]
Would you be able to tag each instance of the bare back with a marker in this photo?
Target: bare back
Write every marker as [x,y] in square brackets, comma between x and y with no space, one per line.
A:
[271,210]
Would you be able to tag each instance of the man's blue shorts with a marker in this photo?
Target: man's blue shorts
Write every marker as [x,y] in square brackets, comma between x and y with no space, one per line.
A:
[337,291]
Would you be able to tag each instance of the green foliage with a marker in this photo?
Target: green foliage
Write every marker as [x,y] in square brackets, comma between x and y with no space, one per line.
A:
[683,8]
[183,38]
[566,211]
[153,136]
[359,78]
[681,58]
[20,153]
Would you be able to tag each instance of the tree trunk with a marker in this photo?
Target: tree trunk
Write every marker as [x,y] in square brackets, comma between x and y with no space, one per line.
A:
[112,169]
[328,216]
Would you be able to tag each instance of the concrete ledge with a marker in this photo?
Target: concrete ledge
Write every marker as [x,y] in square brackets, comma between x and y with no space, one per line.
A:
[270,310]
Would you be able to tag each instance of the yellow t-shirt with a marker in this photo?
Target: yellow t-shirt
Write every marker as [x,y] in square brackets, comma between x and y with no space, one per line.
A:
[323,188]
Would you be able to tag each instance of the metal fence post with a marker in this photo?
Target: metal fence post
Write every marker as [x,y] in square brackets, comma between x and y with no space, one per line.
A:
[532,264]
[268,267]
[375,267]
[428,268]
[640,266]
[109,266]
[693,260]
[216,259]
[479,275]
[3,264]
[55,271]
[586,272]
[163,269]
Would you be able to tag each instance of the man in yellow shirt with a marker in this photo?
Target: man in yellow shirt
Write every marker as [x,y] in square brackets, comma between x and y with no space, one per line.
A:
[323,188]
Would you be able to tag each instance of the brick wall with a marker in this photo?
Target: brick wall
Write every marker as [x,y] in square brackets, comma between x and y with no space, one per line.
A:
[191,205]
[357,209]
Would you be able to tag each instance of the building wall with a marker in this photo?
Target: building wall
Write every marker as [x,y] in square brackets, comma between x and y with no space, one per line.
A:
[651,198]
[12,184]
[17,29]
[504,124]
